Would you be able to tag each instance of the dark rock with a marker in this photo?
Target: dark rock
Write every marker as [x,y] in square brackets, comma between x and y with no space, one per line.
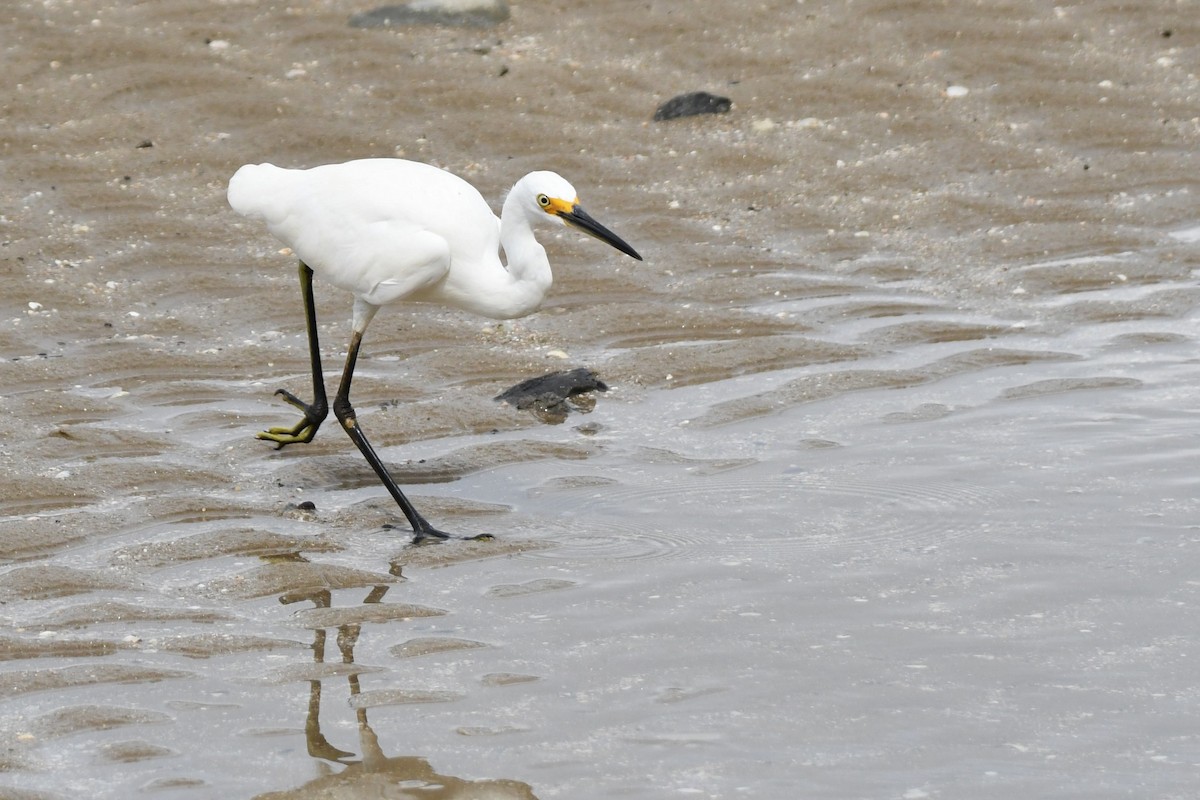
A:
[547,396]
[689,105]
[452,13]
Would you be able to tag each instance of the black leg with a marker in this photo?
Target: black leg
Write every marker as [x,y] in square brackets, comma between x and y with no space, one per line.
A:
[345,413]
[314,413]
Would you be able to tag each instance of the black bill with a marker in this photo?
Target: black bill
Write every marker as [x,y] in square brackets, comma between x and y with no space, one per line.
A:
[580,219]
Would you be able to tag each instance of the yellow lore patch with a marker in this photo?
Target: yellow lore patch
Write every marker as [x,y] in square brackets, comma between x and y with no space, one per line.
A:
[559,207]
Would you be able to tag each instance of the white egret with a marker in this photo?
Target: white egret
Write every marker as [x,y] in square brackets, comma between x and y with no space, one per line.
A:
[387,230]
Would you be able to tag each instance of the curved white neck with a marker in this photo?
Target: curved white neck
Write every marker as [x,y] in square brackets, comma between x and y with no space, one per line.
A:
[492,289]
[528,275]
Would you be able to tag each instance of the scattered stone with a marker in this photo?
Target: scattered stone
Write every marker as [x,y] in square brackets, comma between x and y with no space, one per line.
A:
[452,13]
[689,105]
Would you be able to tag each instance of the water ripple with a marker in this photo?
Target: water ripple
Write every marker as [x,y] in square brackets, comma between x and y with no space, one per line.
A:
[771,515]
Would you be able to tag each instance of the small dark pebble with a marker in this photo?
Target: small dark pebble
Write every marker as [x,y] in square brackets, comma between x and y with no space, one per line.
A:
[482,14]
[144,144]
[689,105]
[307,505]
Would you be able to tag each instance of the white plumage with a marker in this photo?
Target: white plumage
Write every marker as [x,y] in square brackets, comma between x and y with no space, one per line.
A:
[388,230]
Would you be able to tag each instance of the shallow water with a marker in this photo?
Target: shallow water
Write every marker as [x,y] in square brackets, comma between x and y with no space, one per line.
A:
[893,494]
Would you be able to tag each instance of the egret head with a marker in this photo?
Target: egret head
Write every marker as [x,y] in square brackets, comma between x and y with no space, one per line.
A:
[547,195]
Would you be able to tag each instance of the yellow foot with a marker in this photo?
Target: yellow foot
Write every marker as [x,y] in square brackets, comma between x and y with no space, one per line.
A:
[303,431]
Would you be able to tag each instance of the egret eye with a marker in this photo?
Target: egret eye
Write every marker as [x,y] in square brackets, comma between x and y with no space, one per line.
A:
[543,201]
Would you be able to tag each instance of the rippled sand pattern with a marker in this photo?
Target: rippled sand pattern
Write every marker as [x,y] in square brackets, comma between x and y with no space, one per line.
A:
[893,493]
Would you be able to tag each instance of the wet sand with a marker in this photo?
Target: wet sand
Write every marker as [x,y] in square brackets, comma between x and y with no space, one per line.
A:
[892,495]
